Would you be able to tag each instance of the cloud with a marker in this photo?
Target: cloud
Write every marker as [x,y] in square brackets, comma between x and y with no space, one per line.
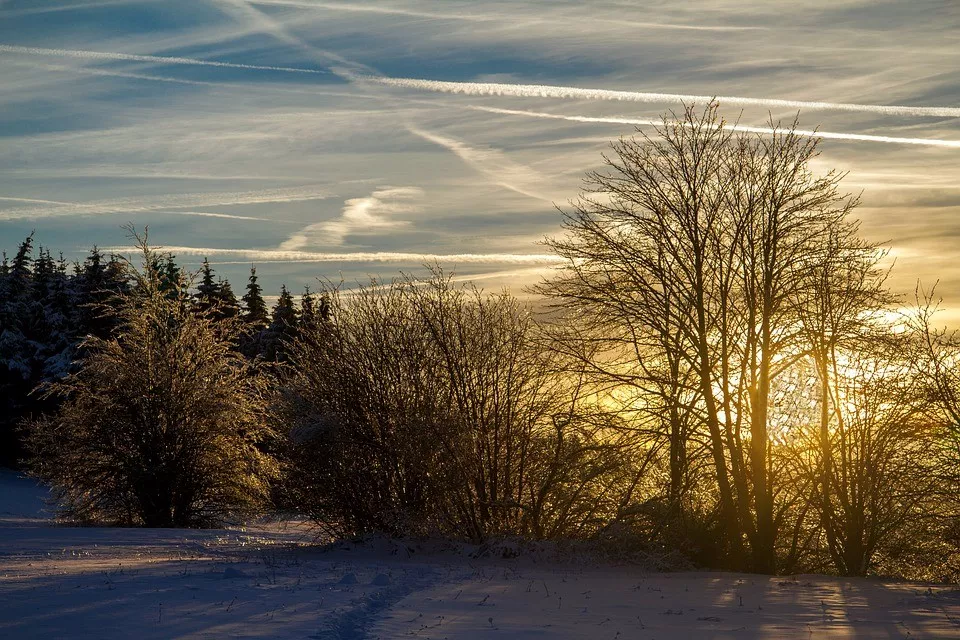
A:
[549,91]
[360,215]
[933,142]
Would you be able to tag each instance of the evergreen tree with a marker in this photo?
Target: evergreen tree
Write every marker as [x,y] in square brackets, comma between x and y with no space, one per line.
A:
[284,324]
[308,308]
[255,309]
[173,281]
[20,268]
[208,290]
[18,350]
[227,300]
[284,317]
[99,282]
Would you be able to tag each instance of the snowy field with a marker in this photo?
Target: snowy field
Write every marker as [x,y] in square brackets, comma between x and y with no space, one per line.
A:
[271,582]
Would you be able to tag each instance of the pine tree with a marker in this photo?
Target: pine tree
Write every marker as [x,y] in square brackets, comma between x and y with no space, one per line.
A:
[20,268]
[173,280]
[43,273]
[98,284]
[284,324]
[227,300]
[285,317]
[308,308]
[207,291]
[255,309]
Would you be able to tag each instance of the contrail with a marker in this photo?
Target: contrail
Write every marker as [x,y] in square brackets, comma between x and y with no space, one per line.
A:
[361,8]
[7,13]
[490,17]
[109,55]
[932,142]
[210,214]
[36,200]
[165,202]
[272,87]
[272,255]
[118,74]
[270,26]
[549,91]
[492,163]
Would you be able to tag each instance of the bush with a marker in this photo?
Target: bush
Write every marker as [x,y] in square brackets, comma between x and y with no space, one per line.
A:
[421,407]
[160,425]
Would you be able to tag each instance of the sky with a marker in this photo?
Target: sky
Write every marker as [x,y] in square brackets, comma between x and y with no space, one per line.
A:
[337,140]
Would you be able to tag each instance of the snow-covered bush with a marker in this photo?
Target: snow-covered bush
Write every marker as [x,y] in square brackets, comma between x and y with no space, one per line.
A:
[160,425]
[424,407]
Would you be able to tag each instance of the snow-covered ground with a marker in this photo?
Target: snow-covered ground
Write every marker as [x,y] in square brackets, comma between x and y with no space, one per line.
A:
[270,581]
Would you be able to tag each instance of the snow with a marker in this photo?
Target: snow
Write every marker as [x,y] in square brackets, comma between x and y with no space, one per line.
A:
[273,581]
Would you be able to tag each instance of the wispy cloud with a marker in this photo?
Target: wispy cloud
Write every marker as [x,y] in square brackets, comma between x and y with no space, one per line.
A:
[640,122]
[360,215]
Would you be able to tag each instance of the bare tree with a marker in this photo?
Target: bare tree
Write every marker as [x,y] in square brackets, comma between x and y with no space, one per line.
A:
[684,259]
[879,479]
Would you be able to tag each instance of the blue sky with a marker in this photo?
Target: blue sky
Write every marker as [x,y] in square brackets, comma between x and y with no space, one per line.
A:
[300,135]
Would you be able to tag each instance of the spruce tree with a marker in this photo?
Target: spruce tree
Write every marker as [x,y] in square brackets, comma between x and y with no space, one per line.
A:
[227,300]
[255,309]
[308,308]
[20,268]
[283,327]
[207,291]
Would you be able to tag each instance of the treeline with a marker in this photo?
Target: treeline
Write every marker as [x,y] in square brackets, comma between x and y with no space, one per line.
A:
[717,375]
